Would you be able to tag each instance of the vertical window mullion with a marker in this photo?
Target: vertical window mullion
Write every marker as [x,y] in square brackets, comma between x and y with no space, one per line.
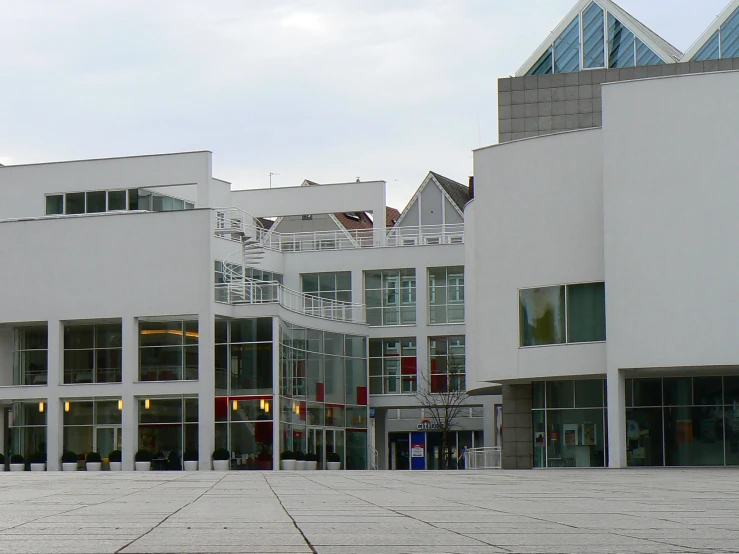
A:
[582,42]
[567,317]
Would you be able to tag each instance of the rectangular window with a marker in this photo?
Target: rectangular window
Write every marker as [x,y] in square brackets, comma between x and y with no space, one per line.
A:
[92,425]
[393,365]
[95,202]
[390,296]
[168,426]
[74,203]
[92,353]
[30,356]
[446,295]
[447,363]
[116,200]
[586,312]
[329,286]
[55,204]
[168,350]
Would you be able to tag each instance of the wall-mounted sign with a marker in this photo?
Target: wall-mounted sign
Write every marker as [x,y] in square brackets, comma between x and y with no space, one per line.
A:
[372,412]
[427,424]
[417,451]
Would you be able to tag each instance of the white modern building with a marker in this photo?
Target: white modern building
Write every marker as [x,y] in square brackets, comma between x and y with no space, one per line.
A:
[147,305]
[600,270]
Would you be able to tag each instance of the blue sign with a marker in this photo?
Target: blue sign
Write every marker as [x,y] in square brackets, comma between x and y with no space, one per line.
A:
[372,412]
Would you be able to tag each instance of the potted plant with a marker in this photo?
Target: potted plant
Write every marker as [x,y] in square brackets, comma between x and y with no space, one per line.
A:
[299,460]
[115,458]
[17,463]
[191,459]
[287,460]
[38,461]
[94,461]
[221,459]
[143,460]
[69,461]
[311,461]
[333,461]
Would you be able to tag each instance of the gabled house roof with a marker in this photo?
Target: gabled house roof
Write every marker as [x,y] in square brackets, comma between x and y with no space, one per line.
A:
[459,193]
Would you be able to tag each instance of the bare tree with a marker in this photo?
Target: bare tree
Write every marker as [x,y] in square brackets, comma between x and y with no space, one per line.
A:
[443,397]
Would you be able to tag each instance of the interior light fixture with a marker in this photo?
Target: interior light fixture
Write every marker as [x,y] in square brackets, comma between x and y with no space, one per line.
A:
[266,407]
[147,404]
[235,405]
[41,407]
[66,406]
[120,404]
[261,404]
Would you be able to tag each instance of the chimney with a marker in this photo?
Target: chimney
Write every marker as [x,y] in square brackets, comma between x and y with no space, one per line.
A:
[472,187]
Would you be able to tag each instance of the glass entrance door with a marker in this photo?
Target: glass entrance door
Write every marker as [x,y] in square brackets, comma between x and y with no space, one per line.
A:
[107,439]
[335,443]
[315,444]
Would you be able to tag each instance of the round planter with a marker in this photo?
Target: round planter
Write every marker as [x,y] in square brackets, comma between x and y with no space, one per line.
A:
[333,465]
[300,465]
[191,466]
[311,466]
[288,465]
[94,466]
[17,467]
[38,467]
[220,465]
[69,466]
[143,466]
[116,466]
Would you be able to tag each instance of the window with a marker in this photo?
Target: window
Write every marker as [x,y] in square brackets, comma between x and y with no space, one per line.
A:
[243,357]
[724,43]
[562,314]
[168,426]
[116,200]
[390,296]
[168,350]
[54,204]
[330,286]
[393,365]
[446,295]
[447,363]
[95,202]
[29,428]
[92,353]
[92,425]
[74,203]
[30,356]
[99,201]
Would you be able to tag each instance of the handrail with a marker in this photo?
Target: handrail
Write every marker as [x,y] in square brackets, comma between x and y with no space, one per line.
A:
[488,457]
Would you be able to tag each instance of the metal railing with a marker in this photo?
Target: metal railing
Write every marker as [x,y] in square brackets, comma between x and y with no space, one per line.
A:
[253,291]
[483,458]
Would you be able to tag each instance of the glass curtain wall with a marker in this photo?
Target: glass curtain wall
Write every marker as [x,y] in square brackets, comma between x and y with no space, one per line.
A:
[323,389]
[446,295]
[30,355]
[393,365]
[92,425]
[244,391]
[330,286]
[447,363]
[168,350]
[569,423]
[682,421]
[28,429]
[390,296]
[167,427]
[92,353]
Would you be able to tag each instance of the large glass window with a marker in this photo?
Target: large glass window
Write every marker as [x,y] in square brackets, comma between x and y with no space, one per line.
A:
[447,363]
[30,355]
[55,204]
[567,49]
[724,43]
[393,365]
[92,425]
[92,353]
[244,428]
[446,295]
[390,296]
[98,201]
[562,314]
[168,350]
[243,357]
[167,427]
[329,285]
[28,429]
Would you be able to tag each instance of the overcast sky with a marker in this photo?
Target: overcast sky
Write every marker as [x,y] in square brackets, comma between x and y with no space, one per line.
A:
[327,90]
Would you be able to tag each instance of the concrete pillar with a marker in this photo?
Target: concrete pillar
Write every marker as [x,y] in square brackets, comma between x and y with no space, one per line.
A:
[129,375]
[53,407]
[518,434]
[206,387]
[204,184]
[381,437]
[488,420]
[616,387]
[275,407]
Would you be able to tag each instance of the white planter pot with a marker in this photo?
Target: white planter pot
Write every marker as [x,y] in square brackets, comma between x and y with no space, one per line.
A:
[221,465]
[333,465]
[116,466]
[300,465]
[94,466]
[38,467]
[69,466]
[288,465]
[17,467]
[143,466]
[191,466]
[311,466]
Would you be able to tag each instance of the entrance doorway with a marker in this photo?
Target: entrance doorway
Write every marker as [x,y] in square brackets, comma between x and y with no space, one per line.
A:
[399,451]
[107,439]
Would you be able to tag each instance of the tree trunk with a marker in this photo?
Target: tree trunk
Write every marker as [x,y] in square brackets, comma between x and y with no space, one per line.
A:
[444,449]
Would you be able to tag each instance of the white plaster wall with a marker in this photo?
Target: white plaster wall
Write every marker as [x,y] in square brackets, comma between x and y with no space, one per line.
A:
[296,224]
[6,358]
[431,205]
[542,225]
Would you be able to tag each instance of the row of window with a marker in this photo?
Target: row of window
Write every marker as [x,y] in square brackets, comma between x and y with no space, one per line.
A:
[100,201]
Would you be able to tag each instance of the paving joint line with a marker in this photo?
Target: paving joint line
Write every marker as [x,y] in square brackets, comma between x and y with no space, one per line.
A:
[295,523]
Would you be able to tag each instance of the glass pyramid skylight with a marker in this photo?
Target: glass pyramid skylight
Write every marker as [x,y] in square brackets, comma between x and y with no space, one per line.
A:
[592,36]
[724,43]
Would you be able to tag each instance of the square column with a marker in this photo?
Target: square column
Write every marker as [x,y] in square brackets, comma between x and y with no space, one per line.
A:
[275,408]
[206,389]
[518,435]
[130,372]
[616,387]
[54,416]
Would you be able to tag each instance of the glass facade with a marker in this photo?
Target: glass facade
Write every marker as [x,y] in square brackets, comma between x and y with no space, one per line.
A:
[92,353]
[562,314]
[330,285]
[446,295]
[92,425]
[390,296]
[569,423]
[447,363]
[583,42]
[167,427]
[30,355]
[393,365]
[168,350]
[323,394]
[724,43]
[28,429]
[99,201]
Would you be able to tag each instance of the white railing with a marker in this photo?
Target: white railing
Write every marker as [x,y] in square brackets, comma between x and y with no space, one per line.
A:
[252,291]
[483,458]
[230,223]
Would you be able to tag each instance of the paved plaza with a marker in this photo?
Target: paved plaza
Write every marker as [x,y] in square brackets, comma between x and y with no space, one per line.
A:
[465,512]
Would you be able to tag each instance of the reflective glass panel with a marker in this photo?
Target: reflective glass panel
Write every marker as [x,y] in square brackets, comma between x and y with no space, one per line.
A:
[647,392]
[644,436]
[593,36]
[96,202]
[710,50]
[567,49]
[55,204]
[560,394]
[75,203]
[543,66]
[620,44]
[645,55]
[678,391]
[586,312]
[116,200]
[730,36]
[694,436]
[542,316]
[575,438]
